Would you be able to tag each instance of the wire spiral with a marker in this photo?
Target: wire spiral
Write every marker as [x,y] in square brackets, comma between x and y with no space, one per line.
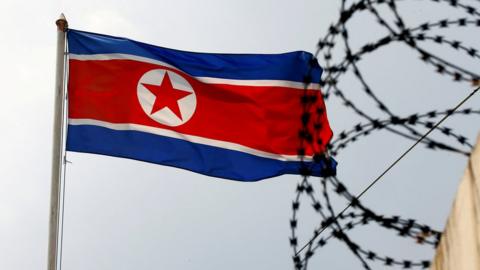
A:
[410,127]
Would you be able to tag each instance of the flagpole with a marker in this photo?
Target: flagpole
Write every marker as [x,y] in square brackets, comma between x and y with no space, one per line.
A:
[57,160]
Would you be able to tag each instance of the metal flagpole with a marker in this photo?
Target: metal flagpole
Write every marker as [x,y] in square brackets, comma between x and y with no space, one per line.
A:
[57,157]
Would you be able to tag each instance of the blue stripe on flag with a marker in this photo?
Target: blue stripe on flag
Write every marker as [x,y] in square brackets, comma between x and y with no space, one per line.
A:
[204,159]
[292,66]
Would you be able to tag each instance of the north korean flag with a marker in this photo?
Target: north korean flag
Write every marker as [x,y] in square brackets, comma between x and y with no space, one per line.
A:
[233,116]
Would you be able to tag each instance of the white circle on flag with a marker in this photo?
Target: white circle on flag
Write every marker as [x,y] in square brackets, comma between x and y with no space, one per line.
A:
[176,98]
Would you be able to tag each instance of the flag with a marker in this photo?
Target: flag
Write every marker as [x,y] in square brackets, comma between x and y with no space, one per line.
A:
[233,116]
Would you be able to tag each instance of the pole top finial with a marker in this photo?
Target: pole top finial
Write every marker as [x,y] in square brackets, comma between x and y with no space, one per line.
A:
[62,24]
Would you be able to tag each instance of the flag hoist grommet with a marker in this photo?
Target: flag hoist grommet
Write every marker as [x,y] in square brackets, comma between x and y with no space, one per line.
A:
[233,116]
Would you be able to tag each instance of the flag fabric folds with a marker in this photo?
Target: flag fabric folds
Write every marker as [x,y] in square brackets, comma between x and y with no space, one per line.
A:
[233,116]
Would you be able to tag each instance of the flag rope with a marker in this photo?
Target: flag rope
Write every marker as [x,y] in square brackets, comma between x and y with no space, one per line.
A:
[64,165]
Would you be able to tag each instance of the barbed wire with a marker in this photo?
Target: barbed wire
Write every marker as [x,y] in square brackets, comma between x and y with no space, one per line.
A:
[404,126]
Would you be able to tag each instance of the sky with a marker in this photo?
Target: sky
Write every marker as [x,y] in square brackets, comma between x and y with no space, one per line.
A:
[125,214]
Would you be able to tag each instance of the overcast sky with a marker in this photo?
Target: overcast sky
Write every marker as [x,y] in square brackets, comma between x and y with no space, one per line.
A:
[124,214]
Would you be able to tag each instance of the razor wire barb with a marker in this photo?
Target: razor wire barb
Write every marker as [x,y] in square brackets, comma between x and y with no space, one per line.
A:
[404,126]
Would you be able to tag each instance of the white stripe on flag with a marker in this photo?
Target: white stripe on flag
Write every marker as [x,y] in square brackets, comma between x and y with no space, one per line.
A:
[208,80]
[185,137]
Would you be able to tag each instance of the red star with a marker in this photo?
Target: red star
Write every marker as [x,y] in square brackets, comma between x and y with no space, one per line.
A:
[166,96]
